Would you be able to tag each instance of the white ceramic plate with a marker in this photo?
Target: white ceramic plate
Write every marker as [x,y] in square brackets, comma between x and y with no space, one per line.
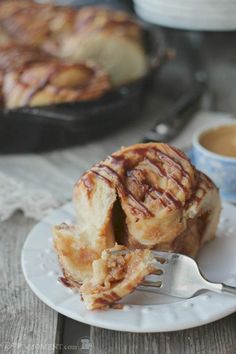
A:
[142,312]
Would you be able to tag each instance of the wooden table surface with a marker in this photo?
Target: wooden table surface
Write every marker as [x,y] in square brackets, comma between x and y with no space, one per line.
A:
[29,326]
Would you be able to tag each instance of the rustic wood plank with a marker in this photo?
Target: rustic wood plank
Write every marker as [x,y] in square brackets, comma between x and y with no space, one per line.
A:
[26,324]
[216,338]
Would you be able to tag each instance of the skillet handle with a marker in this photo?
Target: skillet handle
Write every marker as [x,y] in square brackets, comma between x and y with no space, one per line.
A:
[173,122]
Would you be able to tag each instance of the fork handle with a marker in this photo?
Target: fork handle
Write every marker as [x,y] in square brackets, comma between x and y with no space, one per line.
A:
[227,289]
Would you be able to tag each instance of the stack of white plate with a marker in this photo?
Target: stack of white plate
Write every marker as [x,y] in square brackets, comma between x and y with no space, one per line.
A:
[210,15]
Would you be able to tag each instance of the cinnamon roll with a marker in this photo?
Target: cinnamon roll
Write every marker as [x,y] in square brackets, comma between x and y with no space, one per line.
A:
[146,196]
[53,82]
[115,276]
[162,202]
[111,38]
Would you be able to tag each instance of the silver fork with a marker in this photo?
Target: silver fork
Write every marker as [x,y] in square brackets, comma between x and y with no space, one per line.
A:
[178,275]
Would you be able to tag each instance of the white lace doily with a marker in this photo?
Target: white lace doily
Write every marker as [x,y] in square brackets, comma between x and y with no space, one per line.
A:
[15,195]
[31,184]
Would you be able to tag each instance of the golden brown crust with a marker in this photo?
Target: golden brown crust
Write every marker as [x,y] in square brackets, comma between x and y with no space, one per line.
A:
[53,82]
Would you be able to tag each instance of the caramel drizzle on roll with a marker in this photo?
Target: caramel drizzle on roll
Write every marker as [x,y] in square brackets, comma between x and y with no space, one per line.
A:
[161,171]
[140,207]
[117,167]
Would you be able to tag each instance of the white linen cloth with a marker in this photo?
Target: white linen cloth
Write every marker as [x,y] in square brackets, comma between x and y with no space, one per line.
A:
[36,184]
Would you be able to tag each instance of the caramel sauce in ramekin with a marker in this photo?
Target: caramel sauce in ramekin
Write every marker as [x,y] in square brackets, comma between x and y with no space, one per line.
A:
[220,140]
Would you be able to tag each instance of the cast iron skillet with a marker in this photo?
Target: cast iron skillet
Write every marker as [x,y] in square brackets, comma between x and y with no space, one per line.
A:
[33,129]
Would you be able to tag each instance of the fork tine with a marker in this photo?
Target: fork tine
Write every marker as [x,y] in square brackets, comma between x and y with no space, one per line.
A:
[156,284]
[164,257]
[158,271]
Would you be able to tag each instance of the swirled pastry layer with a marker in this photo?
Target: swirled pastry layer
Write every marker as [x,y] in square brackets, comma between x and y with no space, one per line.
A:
[53,82]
